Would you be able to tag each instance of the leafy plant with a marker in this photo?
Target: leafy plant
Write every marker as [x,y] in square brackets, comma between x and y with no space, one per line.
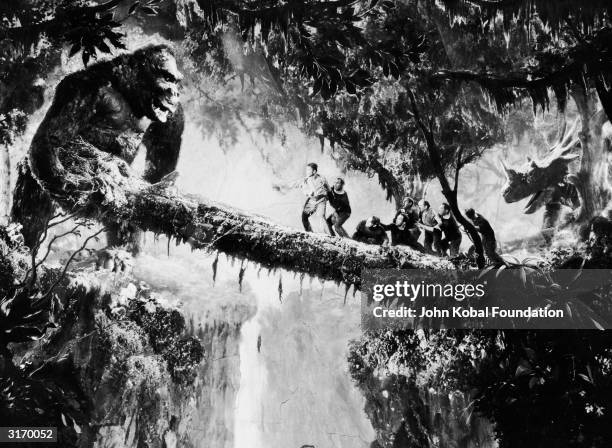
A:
[23,318]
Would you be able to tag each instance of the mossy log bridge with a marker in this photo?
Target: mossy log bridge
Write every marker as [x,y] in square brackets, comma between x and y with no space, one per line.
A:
[116,194]
[208,225]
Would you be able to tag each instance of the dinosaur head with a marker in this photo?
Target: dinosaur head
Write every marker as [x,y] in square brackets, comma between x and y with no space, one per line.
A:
[539,178]
[533,176]
[536,179]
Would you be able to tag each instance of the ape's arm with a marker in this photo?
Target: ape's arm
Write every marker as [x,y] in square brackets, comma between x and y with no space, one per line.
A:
[163,143]
[60,128]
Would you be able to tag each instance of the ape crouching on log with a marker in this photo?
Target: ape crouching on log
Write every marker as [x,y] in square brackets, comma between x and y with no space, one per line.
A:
[100,116]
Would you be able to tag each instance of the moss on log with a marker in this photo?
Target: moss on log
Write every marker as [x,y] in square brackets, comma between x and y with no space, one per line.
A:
[101,186]
[208,225]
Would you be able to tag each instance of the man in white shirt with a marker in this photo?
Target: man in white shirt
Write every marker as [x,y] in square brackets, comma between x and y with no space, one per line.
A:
[316,188]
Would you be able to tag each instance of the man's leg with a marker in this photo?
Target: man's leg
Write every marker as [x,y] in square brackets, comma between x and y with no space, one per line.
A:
[490,249]
[318,217]
[339,220]
[454,247]
[306,213]
[428,240]
[330,223]
[444,246]
[414,244]
[306,222]
[437,242]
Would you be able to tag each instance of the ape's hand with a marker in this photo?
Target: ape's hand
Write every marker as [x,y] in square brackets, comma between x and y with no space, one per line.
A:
[169,179]
[165,185]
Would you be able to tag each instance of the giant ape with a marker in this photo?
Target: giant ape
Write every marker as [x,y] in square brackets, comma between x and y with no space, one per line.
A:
[81,153]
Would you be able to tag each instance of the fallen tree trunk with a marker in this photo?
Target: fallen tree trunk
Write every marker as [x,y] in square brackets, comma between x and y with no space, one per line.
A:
[100,186]
[208,225]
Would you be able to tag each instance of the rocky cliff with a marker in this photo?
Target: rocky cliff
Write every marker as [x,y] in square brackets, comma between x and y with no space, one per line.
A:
[415,397]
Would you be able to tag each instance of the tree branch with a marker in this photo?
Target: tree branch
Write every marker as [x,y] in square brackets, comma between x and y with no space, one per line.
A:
[432,148]
[459,165]
[450,195]
[67,265]
[33,29]
[590,59]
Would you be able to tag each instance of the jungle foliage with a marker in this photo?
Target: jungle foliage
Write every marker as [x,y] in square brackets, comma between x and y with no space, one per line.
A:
[405,90]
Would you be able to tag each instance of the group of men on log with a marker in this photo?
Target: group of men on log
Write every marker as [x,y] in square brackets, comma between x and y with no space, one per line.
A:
[441,234]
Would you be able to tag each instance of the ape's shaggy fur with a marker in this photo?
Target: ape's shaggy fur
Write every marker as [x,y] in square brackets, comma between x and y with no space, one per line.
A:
[106,108]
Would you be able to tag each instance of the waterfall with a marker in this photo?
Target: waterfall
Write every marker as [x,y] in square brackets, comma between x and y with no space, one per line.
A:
[275,372]
[295,389]
[249,411]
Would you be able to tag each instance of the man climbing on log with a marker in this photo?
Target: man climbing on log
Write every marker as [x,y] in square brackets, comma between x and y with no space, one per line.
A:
[338,199]
[428,222]
[403,234]
[316,189]
[450,229]
[371,231]
[410,231]
[487,235]
[450,233]
[411,212]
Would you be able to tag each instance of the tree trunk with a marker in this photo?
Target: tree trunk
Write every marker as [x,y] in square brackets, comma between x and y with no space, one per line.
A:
[449,193]
[208,225]
[590,180]
[394,188]
[451,197]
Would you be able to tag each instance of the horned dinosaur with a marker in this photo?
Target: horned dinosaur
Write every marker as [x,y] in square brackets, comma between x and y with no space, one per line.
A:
[548,181]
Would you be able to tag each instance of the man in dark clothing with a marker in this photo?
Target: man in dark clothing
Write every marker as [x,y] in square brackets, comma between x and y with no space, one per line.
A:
[487,234]
[410,211]
[339,200]
[371,231]
[411,216]
[403,235]
[429,223]
[450,229]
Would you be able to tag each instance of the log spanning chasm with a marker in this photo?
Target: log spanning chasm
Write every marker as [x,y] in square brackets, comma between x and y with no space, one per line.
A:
[207,225]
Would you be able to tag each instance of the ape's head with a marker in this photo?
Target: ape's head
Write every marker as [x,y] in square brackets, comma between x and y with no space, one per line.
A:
[150,79]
